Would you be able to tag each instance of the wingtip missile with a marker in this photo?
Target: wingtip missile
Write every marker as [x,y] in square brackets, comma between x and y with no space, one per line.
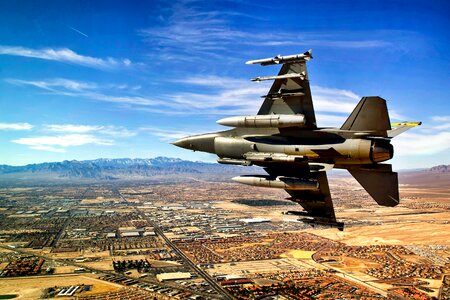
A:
[282,59]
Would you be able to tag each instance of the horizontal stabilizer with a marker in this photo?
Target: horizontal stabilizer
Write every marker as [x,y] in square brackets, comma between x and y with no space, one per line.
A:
[370,114]
[401,127]
[380,182]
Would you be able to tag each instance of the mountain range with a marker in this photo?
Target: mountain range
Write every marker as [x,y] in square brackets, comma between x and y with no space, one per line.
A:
[113,169]
[130,169]
[441,169]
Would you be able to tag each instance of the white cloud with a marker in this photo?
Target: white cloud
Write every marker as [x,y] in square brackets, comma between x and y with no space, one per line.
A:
[394,115]
[429,139]
[47,148]
[70,135]
[327,120]
[15,126]
[334,93]
[421,143]
[227,101]
[110,130]
[64,55]
[214,81]
[442,126]
[168,135]
[117,131]
[440,118]
[72,128]
[58,143]
[333,100]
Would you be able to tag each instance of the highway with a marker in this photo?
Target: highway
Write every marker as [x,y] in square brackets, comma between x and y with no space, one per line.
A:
[213,283]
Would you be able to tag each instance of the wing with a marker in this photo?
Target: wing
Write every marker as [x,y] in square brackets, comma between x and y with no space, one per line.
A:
[317,203]
[290,93]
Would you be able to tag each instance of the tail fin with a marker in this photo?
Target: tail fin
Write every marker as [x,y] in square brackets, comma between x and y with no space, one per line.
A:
[380,182]
[370,114]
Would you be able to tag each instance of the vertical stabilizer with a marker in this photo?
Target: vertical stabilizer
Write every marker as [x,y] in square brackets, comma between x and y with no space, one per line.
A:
[370,114]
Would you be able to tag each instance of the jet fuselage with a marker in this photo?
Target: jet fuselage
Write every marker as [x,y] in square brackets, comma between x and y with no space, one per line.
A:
[328,146]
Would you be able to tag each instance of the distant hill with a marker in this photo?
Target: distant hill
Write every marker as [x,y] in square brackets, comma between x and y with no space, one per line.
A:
[159,168]
[114,169]
[441,169]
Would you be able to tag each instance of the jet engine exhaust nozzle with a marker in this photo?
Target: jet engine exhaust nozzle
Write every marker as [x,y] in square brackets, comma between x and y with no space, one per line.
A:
[381,151]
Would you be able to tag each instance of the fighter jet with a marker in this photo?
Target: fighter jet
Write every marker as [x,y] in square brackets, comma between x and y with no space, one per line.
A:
[285,140]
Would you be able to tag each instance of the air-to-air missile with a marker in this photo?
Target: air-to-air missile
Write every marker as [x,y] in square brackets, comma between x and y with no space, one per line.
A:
[280,182]
[264,121]
[284,139]
[282,59]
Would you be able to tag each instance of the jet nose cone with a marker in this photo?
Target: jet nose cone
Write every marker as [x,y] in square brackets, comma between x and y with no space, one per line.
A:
[202,142]
[182,143]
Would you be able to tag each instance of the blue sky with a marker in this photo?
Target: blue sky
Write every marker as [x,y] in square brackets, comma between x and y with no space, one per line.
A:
[89,79]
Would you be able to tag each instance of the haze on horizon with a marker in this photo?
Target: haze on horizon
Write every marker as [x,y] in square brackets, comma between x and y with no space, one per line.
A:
[84,80]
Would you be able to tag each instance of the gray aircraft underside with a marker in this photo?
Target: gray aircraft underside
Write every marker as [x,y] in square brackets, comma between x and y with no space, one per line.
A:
[284,139]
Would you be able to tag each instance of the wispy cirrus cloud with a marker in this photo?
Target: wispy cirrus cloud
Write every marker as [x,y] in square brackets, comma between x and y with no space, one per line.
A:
[167,134]
[186,32]
[65,55]
[229,96]
[218,96]
[15,126]
[60,142]
[72,85]
[80,89]
[54,84]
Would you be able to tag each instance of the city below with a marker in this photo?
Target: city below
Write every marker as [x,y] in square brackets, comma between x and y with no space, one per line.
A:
[172,229]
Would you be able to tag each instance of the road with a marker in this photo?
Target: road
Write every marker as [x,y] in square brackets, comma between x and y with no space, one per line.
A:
[60,233]
[213,283]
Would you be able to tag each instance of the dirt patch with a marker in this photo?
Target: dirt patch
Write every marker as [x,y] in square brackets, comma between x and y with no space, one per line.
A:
[421,233]
[32,287]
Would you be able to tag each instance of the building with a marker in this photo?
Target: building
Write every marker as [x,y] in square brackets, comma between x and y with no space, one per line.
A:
[255,220]
[130,234]
[173,276]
